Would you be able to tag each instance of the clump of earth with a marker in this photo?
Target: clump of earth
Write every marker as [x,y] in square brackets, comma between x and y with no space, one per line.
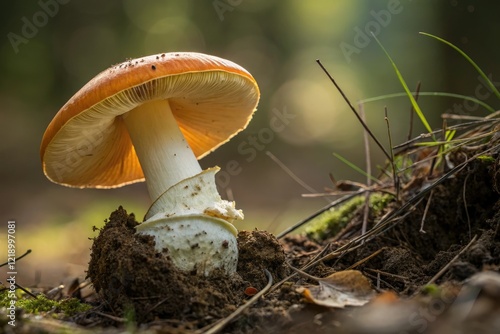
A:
[132,278]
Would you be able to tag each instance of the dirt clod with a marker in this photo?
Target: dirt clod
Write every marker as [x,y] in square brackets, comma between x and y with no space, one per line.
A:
[259,250]
[133,279]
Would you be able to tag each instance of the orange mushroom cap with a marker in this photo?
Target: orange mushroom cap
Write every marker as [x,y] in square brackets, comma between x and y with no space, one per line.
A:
[87,144]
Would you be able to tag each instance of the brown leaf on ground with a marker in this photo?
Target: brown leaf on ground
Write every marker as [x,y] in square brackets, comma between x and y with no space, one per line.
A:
[344,288]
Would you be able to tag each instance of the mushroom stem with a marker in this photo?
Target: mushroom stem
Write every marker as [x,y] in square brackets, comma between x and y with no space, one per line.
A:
[163,152]
[188,217]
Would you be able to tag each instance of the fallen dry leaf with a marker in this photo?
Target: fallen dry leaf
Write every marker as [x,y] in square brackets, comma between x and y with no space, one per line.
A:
[344,288]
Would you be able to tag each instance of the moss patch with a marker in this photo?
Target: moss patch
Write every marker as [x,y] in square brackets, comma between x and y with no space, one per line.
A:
[332,221]
[60,308]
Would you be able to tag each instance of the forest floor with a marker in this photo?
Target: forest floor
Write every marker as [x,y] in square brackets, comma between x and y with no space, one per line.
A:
[429,261]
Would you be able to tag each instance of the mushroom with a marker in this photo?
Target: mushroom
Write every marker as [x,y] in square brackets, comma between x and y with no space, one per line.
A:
[150,119]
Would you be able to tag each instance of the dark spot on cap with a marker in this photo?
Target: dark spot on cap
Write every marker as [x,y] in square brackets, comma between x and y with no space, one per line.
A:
[153,67]
[225,244]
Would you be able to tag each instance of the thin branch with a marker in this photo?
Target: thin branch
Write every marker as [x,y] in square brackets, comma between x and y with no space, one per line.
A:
[112,317]
[290,173]
[377,252]
[465,205]
[462,143]
[445,268]
[474,125]
[440,94]
[395,176]
[17,258]
[320,211]
[412,110]
[353,110]
[402,278]
[366,211]
[427,205]
[25,291]
[379,280]
[303,273]
[316,260]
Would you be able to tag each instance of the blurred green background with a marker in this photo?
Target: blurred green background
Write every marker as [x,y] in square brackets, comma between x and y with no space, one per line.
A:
[52,48]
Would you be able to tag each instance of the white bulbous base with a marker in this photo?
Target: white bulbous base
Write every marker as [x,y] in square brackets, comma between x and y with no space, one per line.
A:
[194,224]
[195,242]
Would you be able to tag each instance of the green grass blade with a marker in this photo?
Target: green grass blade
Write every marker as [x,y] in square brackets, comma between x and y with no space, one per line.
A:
[449,134]
[441,94]
[353,166]
[406,89]
[456,142]
[488,82]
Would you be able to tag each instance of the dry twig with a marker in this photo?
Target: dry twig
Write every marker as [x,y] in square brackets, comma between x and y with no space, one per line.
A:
[448,265]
